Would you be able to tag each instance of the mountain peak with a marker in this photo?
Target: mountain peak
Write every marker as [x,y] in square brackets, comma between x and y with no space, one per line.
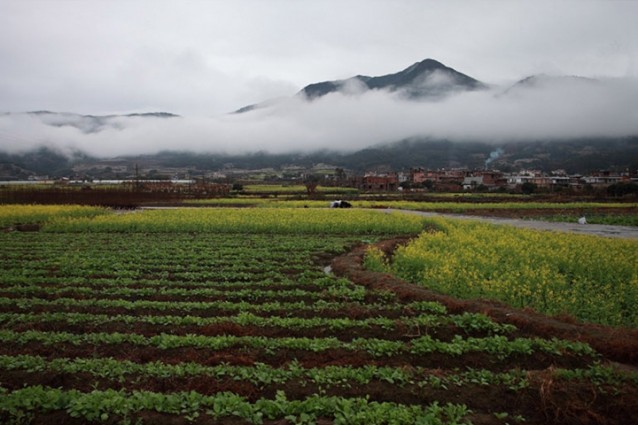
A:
[426,64]
[428,78]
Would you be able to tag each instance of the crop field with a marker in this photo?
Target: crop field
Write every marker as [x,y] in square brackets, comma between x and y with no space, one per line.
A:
[611,213]
[448,206]
[230,316]
[590,278]
[11,215]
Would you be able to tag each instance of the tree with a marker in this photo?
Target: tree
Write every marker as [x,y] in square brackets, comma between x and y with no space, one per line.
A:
[528,188]
[311,182]
[622,189]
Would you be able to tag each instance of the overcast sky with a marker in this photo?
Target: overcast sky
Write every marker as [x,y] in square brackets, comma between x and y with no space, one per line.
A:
[202,59]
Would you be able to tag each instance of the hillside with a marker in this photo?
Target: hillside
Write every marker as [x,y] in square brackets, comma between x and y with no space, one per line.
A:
[574,156]
[427,115]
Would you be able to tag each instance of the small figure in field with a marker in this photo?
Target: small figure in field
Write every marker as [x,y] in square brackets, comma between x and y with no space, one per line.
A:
[582,220]
[340,204]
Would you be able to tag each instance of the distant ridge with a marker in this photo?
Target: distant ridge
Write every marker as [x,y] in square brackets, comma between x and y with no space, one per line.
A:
[137,114]
[544,80]
[575,156]
[89,123]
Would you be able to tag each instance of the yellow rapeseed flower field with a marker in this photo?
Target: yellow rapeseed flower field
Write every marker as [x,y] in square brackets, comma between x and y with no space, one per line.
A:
[592,278]
[247,220]
[14,214]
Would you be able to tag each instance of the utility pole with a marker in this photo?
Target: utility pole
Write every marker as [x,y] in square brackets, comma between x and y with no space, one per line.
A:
[137,178]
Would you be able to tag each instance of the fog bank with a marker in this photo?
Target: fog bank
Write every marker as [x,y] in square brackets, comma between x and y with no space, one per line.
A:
[546,108]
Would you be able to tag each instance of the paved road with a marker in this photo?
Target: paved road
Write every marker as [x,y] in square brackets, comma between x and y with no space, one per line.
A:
[624,232]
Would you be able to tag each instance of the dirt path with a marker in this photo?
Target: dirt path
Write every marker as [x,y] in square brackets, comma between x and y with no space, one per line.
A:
[624,232]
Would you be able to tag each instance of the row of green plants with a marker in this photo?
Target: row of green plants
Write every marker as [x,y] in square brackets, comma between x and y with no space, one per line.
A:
[15,279]
[499,346]
[261,374]
[20,406]
[93,271]
[468,322]
[309,281]
[215,307]
[352,293]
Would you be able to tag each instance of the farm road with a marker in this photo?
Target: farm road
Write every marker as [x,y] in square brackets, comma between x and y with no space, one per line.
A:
[624,232]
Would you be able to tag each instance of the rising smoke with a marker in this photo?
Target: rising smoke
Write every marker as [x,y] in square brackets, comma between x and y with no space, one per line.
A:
[494,155]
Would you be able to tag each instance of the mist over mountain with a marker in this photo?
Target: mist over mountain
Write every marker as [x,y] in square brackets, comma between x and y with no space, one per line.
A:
[352,118]
[91,123]
[425,80]
[551,82]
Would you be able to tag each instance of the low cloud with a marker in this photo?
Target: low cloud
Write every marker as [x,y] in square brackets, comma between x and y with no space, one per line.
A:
[550,108]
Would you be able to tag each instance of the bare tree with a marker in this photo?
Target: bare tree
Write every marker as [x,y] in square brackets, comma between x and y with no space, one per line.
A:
[311,182]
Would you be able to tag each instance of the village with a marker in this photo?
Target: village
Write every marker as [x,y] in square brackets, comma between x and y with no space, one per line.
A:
[414,180]
[462,179]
